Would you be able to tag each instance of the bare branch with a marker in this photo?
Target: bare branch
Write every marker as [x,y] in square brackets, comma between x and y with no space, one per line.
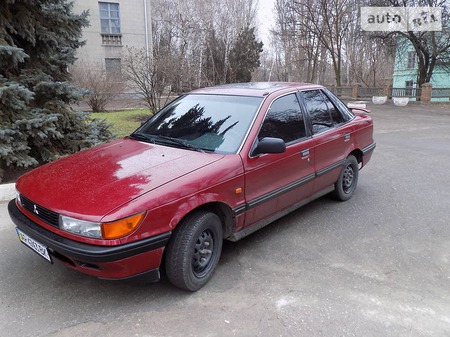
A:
[100,86]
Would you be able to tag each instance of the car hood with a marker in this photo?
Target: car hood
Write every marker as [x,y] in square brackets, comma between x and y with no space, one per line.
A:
[91,183]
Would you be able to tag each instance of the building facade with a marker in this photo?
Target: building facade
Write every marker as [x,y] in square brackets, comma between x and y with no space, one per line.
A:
[115,25]
[406,72]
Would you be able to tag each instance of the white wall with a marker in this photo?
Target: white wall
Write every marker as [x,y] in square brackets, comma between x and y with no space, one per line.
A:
[133,30]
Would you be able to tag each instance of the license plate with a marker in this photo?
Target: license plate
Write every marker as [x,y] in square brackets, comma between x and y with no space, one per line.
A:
[35,245]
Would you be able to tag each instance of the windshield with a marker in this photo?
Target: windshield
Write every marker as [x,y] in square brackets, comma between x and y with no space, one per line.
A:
[212,123]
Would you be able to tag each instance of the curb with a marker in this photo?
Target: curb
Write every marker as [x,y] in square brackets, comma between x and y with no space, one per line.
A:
[7,192]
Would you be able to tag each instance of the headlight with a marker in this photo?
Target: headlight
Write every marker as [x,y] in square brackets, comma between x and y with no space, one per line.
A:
[18,197]
[80,227]
[98,230]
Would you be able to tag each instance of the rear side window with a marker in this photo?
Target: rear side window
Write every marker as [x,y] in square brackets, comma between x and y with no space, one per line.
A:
[347,115]
[323,113]
[334,112]
[284,120]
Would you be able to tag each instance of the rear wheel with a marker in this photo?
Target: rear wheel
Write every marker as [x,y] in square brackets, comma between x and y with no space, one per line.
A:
[348,179]
[194,250]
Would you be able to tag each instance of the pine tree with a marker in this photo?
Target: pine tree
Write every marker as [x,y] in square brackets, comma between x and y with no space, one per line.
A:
[244,56]
[38,41]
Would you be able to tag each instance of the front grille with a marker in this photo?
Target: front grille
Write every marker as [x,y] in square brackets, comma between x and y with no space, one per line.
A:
[42,213]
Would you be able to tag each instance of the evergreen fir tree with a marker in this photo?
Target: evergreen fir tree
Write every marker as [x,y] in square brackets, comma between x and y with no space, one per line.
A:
[38,41]
[244,56]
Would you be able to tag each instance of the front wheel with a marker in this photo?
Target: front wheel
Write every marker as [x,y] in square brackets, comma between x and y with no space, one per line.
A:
[348,179]
[194,250]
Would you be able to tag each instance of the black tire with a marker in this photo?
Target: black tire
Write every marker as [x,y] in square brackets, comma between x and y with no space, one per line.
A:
[194,250]
[348,179]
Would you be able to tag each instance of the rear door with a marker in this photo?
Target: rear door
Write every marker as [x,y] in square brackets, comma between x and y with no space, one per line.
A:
[332,135]
[275,182]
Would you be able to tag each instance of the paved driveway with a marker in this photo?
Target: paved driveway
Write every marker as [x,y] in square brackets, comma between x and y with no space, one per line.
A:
[377,265]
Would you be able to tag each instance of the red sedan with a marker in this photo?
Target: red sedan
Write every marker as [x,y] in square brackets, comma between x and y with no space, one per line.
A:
[216,163]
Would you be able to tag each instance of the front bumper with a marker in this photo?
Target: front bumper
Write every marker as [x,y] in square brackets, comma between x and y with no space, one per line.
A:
[110,262]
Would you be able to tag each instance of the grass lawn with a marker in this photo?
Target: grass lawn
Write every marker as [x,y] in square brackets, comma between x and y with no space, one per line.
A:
[123,122]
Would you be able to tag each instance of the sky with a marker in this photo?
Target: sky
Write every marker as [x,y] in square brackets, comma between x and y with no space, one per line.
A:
[266,18]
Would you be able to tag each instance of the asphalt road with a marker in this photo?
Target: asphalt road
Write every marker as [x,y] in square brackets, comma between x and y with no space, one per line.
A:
[377,265]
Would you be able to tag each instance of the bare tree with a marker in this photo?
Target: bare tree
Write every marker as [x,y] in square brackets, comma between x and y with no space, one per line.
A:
[200,35]
[192,44]
[431,47]
[371,64]
[366,61]
[310,34]
[304,57]
[321,41]
[152,76]
[328,21]
[100,86]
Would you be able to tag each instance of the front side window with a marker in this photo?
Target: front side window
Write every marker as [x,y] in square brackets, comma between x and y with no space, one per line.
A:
[212,123]
[109,18]
[284,120]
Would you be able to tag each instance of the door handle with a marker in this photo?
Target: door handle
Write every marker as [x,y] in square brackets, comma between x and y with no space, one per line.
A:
[305,153]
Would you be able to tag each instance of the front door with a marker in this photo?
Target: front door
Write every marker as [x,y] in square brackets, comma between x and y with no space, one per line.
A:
[275,182]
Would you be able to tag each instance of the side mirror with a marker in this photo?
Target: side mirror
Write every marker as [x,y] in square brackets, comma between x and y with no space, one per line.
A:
[270,145]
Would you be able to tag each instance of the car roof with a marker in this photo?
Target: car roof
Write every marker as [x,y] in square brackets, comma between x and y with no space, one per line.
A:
[258,89]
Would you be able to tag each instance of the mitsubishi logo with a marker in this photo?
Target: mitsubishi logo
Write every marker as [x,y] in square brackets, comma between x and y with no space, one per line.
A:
[35,210]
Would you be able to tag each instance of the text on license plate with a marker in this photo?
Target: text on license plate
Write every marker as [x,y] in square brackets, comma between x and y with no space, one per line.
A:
[33,244]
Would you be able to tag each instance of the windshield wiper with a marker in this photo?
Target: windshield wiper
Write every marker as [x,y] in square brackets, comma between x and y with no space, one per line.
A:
[177,141]
[165,140]
[143,136]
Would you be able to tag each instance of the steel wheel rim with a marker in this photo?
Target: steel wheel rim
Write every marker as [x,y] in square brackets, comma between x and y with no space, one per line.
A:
[348,178]
[202,259]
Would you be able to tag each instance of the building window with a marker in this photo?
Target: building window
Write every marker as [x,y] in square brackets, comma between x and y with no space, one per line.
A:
[110,23]
[109,18]
[412,64]
[113,66]
[409,88]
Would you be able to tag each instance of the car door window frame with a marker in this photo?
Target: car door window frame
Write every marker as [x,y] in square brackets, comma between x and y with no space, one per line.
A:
[345,112]
[292,142]
[326,97]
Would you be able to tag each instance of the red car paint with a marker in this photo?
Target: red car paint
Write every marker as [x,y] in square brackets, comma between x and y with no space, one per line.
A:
[125,177]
